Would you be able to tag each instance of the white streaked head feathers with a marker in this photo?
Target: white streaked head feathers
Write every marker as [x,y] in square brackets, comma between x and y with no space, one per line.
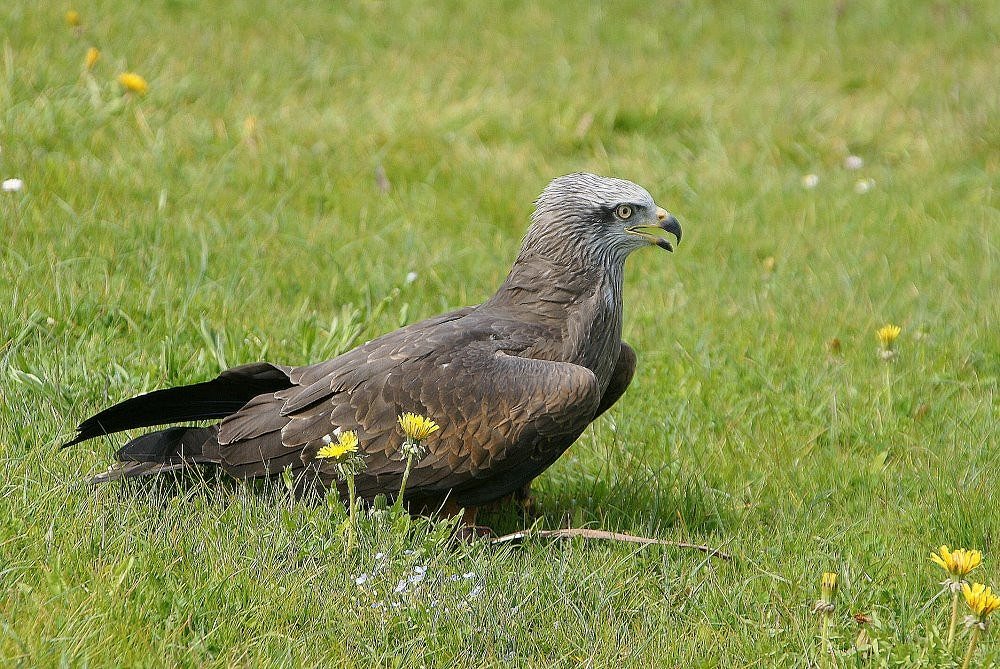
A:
[574,221]
[582,194]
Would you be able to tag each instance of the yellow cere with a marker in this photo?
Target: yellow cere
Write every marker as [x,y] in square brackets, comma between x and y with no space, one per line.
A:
[417,427]
[980,599]
[346,443]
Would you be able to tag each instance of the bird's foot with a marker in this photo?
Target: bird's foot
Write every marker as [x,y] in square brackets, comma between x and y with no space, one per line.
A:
[529,506]
[467,530]
[522,498]
[472,533]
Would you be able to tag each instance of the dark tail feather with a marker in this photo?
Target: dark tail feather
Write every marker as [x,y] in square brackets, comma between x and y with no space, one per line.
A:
[173,445]
[132,470]
[157,452]
[218,398]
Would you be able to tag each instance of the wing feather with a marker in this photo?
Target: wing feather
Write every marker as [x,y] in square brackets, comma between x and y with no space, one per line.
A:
[503,417]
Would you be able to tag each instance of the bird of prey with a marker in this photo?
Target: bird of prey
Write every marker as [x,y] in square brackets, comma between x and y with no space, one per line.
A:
[512,382]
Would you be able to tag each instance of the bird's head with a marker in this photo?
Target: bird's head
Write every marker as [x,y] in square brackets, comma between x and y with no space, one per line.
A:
[601,218]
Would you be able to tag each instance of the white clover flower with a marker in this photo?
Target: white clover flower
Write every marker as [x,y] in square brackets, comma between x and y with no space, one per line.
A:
[810,181]
[11,185]
[411,277]
[854,162]
[362,579]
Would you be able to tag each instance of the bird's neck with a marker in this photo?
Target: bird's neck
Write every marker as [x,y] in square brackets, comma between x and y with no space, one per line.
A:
[579,302]
[544,285]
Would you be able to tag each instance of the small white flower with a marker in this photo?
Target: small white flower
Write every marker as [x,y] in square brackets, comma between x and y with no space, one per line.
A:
[469,574]
[863,186]
[11,185]
[401,586]
[854,162]
[408,552]
[362,579]
[810,181]
[420,569]
[379,556]
[411,277]
[475,592]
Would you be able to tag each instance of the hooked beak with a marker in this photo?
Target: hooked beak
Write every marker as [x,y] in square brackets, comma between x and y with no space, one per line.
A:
[665,223]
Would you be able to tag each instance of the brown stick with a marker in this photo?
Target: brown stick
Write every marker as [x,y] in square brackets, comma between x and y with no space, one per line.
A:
[604,535]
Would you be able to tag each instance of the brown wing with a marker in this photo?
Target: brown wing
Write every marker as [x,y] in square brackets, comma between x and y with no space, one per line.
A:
[503,418]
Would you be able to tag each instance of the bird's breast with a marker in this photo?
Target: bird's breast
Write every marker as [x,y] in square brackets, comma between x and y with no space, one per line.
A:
[594,337]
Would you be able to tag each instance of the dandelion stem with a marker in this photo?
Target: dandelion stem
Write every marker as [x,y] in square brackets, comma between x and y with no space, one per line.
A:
[352,528]
[888,389]
[886,409]
[825,638]
[954,619]
[973,640]
[406,475]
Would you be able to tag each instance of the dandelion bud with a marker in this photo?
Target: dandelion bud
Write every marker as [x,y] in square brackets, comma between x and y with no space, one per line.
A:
[829,587]
[93,54]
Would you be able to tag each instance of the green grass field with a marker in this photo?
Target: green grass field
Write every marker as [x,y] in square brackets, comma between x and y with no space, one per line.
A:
[233,214]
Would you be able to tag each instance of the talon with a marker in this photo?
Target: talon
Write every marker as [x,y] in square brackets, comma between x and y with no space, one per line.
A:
[471,533]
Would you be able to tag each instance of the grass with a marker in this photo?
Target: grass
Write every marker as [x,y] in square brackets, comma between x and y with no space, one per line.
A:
[233,214]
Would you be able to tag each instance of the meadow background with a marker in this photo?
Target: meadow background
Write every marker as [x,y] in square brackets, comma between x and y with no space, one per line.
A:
[301,177]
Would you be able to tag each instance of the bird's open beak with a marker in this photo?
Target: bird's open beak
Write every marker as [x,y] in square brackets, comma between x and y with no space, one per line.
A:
[665,223]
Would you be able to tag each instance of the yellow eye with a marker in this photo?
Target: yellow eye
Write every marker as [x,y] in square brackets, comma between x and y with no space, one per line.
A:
[623,211]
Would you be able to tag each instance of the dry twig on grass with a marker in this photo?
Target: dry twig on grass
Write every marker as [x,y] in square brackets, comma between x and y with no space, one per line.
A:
[583,533]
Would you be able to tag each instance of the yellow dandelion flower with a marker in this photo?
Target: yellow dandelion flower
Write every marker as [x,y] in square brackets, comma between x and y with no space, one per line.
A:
[980,599]
[959,562]
[133,83]
[887,335]
[73,19]
[346,443]
[417,427]
[93,54]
